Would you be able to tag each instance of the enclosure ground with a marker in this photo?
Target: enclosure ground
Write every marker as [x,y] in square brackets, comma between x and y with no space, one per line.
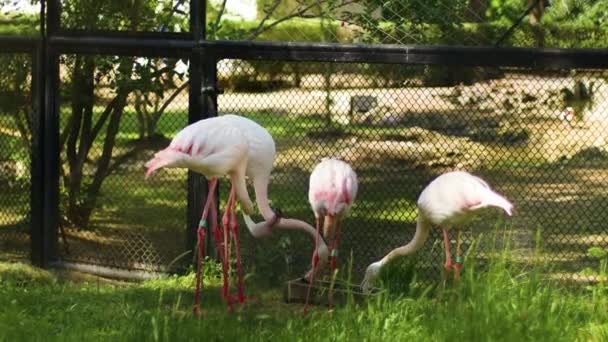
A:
[502,304]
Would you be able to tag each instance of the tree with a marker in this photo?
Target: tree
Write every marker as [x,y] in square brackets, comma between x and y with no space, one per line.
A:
[82,178]
[15,95]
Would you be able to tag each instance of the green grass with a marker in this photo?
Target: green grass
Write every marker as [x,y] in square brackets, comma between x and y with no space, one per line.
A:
[508,302]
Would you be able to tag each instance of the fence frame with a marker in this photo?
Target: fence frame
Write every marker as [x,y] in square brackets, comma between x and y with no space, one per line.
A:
[203,55]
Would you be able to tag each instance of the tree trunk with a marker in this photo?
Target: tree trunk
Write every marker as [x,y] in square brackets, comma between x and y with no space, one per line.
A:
[535,17]
[476,11]
[537,11]
[82,105]
[141,115]
[103,164]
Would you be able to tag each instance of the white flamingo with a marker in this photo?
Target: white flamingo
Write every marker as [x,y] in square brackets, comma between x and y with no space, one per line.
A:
[451,200]
[332,191]
[235,146]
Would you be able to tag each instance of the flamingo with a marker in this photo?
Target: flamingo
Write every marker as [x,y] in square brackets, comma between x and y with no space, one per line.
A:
[451,200]
[332,191]
[238,147]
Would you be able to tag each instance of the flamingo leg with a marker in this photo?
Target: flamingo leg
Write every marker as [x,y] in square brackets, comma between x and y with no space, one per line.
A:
[315,261]
[217,233]
[448,254]
[334,255]
[458,263]
[235,235]
[200,243]
[335,244]
[226,249]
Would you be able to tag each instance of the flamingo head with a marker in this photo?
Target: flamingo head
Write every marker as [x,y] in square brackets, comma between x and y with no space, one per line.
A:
[371,274]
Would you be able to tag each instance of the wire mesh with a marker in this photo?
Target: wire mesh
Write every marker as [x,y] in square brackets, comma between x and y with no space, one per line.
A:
[559,23]
[536,136]
[15,146]
[115,113]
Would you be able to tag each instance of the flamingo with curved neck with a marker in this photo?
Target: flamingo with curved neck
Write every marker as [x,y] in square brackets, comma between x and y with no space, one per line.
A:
[451,200]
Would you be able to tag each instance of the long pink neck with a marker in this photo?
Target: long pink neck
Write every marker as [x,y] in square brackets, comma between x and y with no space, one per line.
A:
[422,233]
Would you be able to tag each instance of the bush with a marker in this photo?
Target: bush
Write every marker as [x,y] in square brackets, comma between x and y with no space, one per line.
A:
[19,274]
[293,30]
[22,25]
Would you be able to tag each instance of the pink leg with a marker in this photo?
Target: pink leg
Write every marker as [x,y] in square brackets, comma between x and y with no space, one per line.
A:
[217,234]
[448,254]
[226,228]
[315,261]
[334,248]
[200,242]
[458,263]
[235,236]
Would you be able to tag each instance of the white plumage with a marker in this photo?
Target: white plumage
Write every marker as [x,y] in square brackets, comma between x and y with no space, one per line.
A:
[333,188]
[451,200]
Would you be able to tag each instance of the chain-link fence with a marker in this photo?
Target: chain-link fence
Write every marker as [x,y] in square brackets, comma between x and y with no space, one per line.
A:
[522,23]
[110,214]
[400,126]
[16,117]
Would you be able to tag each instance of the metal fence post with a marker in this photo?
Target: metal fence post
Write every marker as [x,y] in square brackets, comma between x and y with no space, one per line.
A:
[50,135]
[198,109]
[37,155]
[203,104]
[197,186]
[50,223]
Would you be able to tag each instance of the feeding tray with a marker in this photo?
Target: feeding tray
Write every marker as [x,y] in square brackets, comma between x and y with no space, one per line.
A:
[321,292]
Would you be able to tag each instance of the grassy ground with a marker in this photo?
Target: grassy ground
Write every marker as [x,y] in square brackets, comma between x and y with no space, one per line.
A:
[506,303]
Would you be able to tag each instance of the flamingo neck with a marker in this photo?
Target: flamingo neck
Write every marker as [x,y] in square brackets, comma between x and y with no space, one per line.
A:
[422,233]
[260,185]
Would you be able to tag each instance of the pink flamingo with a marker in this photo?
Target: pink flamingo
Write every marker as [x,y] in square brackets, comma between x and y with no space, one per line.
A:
[235,146]
[451,200]
[332,191]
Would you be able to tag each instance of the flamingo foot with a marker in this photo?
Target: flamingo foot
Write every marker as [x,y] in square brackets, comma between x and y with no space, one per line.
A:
[457,267]
[447,269]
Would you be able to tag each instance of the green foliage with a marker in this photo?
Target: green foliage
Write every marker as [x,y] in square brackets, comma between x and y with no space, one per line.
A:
[284,8]
[295,29]
[597,252]
[20,275]
[579,12]
[212,273]
[16,112]
[135,15]
[19,25]
[407,22]
[505,10]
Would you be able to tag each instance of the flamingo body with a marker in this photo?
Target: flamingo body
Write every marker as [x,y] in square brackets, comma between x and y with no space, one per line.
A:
[454,198]
[225,145]
[333,188]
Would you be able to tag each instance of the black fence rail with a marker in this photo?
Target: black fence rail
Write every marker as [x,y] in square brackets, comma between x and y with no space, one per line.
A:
[96,106]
